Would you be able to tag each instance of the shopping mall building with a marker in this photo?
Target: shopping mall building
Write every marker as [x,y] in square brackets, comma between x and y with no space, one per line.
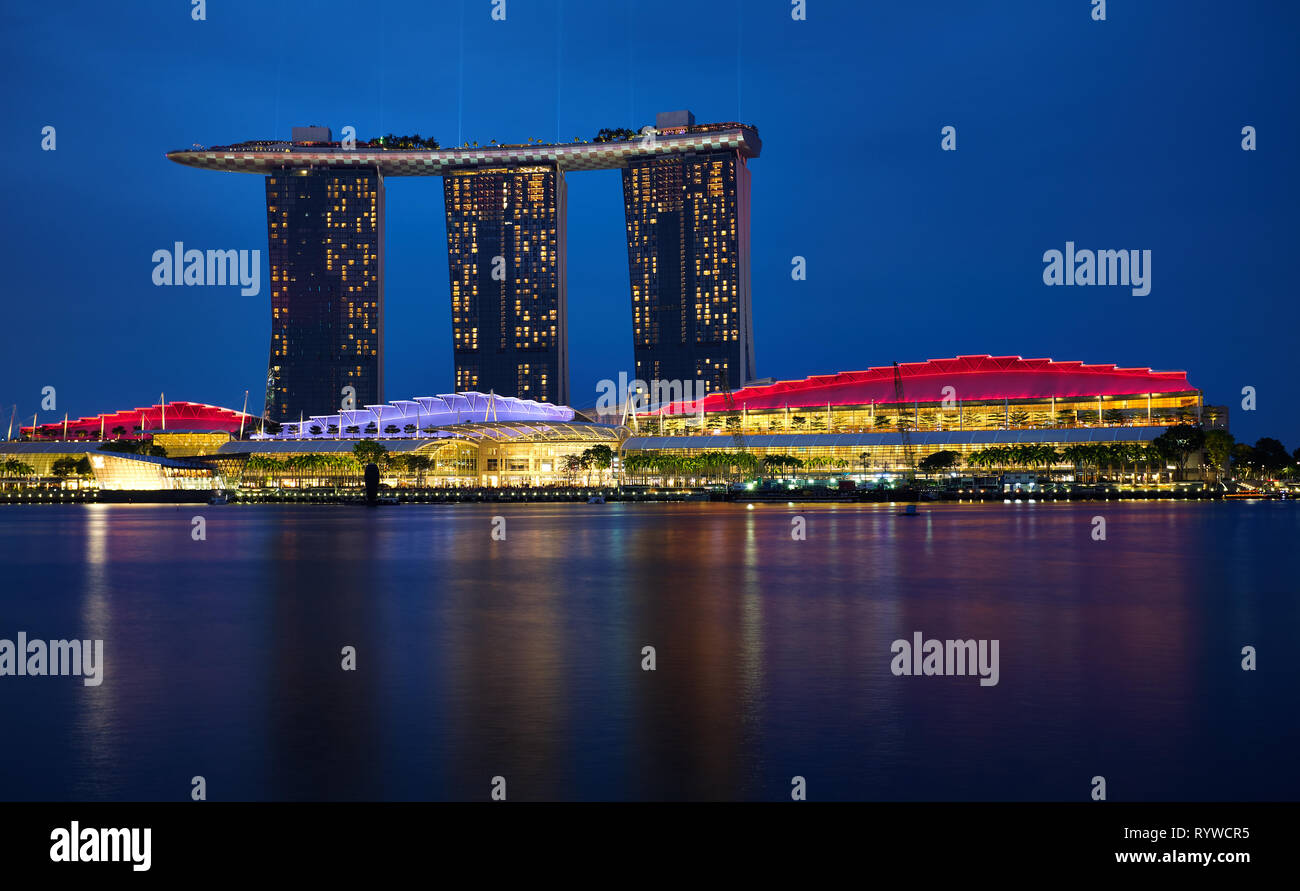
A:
[853,423]
[965,404]
[468,439]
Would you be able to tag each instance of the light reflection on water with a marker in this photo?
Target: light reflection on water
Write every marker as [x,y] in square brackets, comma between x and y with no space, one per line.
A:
[521,658]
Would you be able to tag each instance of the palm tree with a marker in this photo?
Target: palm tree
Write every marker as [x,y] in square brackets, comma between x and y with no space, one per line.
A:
[648,463]
[772,462]
[16,468]
[675,466]
[1119,456]
[795,464]
[1078,456]
[1045,456]
[633,464]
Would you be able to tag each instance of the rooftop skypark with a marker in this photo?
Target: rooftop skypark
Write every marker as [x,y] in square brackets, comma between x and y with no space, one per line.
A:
[400,156]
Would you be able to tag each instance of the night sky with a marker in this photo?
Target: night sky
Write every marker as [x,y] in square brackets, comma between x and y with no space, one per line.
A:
[1122,134]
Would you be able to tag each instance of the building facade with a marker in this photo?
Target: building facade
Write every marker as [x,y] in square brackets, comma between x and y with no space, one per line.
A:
[505,259]
[856,422]
[492,454]
[687,218]
[453,439]
[325,229]
[1020,417]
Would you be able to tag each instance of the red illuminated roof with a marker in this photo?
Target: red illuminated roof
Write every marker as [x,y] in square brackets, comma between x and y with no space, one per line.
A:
[973,378]
[178,415]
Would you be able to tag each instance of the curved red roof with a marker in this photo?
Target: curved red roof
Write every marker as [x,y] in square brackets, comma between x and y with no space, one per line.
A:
[971,377]
[179,416]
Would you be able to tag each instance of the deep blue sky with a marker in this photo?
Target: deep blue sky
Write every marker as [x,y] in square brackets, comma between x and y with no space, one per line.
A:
[1115,134]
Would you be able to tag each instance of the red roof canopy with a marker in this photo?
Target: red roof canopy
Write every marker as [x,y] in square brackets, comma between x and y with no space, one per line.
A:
[179,416]
[973,378]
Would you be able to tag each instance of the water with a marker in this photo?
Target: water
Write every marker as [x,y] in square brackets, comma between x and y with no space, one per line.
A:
[522,658]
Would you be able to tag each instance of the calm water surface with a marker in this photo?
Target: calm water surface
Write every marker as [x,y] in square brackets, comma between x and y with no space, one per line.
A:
[521,658]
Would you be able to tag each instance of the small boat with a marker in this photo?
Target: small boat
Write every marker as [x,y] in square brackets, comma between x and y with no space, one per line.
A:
[219,497]
[596,499]
[909,512]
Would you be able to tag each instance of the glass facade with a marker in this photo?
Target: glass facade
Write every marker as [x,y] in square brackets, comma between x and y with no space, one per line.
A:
[506,453]
[687,221]
[1031,433]
[138,473]
[505,257]
[1141,410]
[326,243]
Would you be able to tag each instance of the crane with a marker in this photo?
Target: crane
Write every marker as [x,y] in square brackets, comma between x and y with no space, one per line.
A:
[909,456]
[738,435]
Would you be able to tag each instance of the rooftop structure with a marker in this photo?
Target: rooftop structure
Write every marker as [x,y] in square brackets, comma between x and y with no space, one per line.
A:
[961,379]
[266,156]
[422,415]
[132,423]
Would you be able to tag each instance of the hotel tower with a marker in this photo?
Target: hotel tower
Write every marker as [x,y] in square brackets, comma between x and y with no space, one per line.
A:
[325,227]
[686,203]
